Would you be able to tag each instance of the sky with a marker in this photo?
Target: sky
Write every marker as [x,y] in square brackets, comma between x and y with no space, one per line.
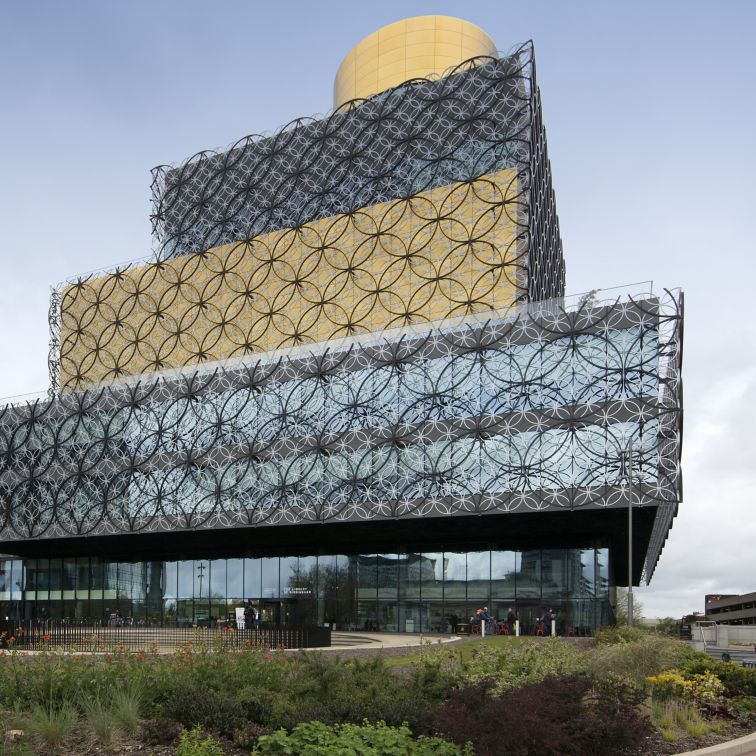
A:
[649,108]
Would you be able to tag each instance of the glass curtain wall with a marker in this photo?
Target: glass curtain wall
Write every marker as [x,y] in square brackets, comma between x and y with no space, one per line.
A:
[396,592]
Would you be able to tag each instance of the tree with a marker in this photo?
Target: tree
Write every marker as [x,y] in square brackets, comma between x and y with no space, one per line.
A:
[621,607]
[668,626]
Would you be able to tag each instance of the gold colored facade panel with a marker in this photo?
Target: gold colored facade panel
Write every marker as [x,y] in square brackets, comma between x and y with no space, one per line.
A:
[448,252]
[413,48]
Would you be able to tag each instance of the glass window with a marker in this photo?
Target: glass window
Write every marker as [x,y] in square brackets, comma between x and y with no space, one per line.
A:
[186,579]
[588,572]
[270,577]
[387,568]
[218,579]
[202,580]
[170,580]
[529,574]
[17,579]
[252,578]
[602,572]
[455,575]
[503,571]
[479,575]
[69,576]
[235,578]
[5,579]
[559,572]
[306,579]
[432,576]
[289,575]
[410,566]
[367,577]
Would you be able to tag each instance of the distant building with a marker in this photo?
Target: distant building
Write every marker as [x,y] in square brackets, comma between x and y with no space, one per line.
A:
[732,610]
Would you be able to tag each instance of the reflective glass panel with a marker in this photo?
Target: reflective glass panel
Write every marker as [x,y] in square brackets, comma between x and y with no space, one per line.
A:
[455,575]
[270,577]
[528,574]
[503,571]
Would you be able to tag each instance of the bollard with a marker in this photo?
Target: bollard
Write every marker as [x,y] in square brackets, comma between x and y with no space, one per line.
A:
[517,628]
[553,628]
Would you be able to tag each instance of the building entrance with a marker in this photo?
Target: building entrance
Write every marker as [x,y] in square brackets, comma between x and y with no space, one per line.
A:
[278,612]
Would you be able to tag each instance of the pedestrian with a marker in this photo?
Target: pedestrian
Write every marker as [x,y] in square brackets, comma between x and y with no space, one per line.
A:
[249,615]
[547,617]
[512,620]
[453,622]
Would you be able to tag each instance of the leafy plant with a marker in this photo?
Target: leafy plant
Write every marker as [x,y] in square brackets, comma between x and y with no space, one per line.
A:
[206,709]
[193,744]
[318,739]
[556,716]
[737,680]
[161,731]
[247,736]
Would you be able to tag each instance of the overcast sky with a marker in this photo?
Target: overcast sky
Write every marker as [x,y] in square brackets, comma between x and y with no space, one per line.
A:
[649,108]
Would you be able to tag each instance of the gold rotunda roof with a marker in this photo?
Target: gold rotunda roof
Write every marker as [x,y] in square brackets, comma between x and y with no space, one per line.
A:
[407,49]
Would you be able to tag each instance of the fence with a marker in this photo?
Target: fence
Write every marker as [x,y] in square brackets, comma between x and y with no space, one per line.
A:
[34,636]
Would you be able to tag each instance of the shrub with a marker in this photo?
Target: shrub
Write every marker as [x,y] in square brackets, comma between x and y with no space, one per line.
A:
[636,659]
[247,736]
[566,715]
[668,686]
[611,636]
[737,681]
[333,692]
[318,739]
[191,707]
[160,731]
[192,744]
[511,666]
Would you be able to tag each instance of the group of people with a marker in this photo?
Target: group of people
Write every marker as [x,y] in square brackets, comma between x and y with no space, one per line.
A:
[482,617]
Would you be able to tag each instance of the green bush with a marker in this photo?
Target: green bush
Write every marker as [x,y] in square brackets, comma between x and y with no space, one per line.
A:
[192,744]
[332,691]
[611,636]
[635,660]
[511,666]
[737,680]
[318,739]
[205,708]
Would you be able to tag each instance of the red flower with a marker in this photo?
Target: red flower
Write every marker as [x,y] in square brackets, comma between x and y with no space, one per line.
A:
[46,638]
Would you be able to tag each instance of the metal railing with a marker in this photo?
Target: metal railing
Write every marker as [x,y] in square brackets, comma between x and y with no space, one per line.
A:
[30,635]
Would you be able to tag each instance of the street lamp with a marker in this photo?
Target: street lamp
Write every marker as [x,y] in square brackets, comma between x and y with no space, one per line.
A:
[627,464]
[201,574]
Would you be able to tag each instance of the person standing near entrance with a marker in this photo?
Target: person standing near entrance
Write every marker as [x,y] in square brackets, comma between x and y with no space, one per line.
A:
[547,618]
[453,622]
[512,621]
[249,616]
